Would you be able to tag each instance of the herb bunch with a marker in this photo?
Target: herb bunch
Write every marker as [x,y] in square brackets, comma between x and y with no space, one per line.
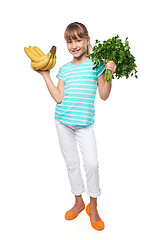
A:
[114,50]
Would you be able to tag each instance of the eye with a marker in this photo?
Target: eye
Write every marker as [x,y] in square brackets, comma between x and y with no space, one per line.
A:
[79,40]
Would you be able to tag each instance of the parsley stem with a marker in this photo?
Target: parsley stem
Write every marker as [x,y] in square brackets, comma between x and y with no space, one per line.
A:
[108,76]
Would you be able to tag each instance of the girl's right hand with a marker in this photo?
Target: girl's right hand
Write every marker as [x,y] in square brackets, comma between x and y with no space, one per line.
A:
[43,73]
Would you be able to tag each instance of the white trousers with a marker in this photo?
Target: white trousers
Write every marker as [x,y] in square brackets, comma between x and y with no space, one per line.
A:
[68,138]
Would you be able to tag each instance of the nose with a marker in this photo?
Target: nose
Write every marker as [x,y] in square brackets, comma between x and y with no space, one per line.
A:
[74,44]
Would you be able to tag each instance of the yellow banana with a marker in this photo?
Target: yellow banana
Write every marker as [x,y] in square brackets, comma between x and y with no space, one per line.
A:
[32,56]
[49,64]
[38,51]
[33,51]
[39,60]
[42,63]
[53,64]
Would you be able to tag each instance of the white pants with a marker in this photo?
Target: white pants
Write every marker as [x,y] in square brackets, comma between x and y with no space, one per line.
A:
[68,138]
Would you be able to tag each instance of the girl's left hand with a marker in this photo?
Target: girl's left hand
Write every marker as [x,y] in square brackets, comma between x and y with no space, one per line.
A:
[111,66]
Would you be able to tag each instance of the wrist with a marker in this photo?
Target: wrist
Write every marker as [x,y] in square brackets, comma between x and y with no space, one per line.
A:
[45,74]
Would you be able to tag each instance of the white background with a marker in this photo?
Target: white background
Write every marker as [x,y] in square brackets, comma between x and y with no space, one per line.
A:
[34,186]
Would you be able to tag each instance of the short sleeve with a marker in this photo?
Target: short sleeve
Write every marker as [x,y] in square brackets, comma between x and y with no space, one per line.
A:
[60,74]
[101,68]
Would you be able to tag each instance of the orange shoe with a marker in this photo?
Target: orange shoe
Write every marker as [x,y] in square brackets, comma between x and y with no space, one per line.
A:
[72,215]
[96,225]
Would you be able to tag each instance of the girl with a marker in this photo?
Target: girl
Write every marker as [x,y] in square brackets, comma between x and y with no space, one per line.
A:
[74,117]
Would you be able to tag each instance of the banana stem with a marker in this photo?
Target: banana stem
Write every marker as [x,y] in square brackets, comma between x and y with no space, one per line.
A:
[53,50]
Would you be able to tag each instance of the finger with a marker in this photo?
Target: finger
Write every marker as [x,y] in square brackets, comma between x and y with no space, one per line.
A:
[31,67]
[111,63]
[111,69]
[108,65]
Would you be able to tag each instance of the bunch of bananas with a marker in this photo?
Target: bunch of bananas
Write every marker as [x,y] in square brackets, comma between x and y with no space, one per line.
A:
[39,60]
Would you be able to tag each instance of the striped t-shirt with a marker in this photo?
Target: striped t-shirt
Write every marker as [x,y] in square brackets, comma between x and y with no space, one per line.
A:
[77,106]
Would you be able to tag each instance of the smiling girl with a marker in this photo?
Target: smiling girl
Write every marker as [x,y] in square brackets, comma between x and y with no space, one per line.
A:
[74,117]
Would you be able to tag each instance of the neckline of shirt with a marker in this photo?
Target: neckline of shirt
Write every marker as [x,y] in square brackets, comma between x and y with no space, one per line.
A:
[79,63]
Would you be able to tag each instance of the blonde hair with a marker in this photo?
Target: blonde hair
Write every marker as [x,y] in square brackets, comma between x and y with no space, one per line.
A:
[75,30]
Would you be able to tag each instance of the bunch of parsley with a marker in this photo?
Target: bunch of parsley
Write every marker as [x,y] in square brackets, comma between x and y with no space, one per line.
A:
[114,50]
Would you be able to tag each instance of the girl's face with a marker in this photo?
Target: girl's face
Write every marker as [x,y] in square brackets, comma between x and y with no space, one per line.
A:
[78,47]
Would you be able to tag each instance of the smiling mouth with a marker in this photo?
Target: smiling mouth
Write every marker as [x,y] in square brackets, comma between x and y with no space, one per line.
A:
[76,51]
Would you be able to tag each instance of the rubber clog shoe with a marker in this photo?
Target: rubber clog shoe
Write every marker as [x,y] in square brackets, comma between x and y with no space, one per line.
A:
[72,215]
[96,225]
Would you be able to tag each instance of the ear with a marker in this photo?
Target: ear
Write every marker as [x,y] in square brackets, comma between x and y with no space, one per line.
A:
[88,41]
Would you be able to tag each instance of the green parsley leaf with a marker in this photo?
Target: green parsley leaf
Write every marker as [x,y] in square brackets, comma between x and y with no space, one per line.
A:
[114,50]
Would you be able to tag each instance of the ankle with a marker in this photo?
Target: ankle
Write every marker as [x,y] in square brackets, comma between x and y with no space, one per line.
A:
[93,202]
[78,199]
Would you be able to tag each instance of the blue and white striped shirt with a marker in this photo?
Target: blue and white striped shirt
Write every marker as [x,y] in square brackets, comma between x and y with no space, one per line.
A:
[77,106]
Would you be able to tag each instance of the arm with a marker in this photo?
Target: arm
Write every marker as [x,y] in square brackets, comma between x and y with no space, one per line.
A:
[104,87]
[56,92]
